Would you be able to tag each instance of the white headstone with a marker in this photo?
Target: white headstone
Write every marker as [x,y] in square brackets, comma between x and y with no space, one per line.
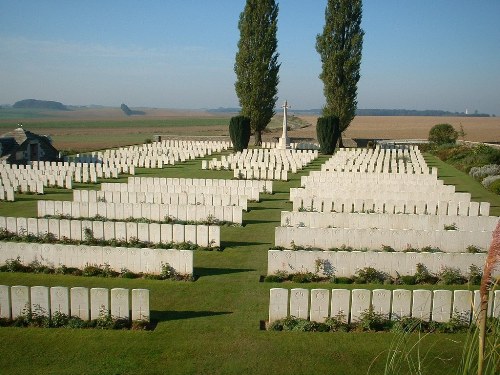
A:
[462,304]
[59,300]
[20,300]
[381,301]
[340,304]
[40,300]
[441,305]
[80,302]
[99,302]
[5,306]
[320,301]
[120,303]
[422,303]
[360,303]
[278,304]
[401,304]
[140,304]
[299,303]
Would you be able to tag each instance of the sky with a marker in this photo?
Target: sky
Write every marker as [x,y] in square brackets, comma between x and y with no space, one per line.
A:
[425,54]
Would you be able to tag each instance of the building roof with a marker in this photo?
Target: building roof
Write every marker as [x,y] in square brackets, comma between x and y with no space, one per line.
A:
[13,139]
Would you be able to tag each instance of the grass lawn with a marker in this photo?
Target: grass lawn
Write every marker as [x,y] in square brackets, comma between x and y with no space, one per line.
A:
[212,325]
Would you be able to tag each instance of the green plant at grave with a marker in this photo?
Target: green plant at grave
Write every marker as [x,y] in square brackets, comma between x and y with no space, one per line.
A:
[423,276]
[451,227]
[474,249]
[277,277]
[475,275]
[337,323]
[328,133]
[304,277]
[387,248]
[370,320]
[239,132]
[450,276]
[369,275]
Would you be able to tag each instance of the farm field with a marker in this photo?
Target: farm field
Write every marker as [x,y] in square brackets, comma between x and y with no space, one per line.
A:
[211,325]
[94,129]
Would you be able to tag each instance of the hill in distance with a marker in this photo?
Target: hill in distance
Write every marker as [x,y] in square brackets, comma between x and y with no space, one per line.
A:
[40,104]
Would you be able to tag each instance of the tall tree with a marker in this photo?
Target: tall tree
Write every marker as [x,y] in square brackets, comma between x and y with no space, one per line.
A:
[256,64]
[340,47]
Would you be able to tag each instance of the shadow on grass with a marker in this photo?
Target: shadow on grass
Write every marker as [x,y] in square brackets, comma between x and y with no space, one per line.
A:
[257,221]
[226,244]
[165,316]
[208,271]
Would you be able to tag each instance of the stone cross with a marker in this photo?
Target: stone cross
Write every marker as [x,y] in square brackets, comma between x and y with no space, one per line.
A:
[284,141]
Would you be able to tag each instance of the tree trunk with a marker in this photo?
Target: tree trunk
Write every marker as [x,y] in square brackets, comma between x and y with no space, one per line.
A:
[258,138]
[341,144]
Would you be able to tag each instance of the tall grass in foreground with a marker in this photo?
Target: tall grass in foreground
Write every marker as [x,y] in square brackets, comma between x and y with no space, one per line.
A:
[481,348]
[492,261]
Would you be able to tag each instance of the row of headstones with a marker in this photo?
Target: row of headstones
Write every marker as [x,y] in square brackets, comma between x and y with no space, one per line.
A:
[262,174]
[208,182]
[392,206]
[161,198]
[387,221]
[380,165]
[136,260]
[348,263]
[253,193]
[438,305]
[76,230]
[79,169]
[407,161]
[33,182]
[386,192]
[6,193]
[155,155]
[373,239]
[210,146]
[63,172]
[149,211]
[79,302]
[363,178]
[293,145]
[264,159]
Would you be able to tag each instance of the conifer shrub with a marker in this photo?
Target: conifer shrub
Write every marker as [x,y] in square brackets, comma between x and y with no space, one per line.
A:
[328,133]
[239,131]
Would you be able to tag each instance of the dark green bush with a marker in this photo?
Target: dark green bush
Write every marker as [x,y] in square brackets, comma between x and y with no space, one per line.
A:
[304,277]
[371,320]
[370,275]
[328,133]
[342,280]
[239,131]
[423,276]
[408,280]
[443,134]
[450,276]
[495,187]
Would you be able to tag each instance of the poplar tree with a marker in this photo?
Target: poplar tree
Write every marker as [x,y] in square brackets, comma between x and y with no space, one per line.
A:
[339,47]
[256,64]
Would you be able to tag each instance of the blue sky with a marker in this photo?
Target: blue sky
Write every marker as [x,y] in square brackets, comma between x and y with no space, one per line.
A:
[425,54]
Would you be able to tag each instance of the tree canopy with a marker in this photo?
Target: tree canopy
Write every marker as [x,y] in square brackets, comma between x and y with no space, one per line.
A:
[339,47]
[256,64]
